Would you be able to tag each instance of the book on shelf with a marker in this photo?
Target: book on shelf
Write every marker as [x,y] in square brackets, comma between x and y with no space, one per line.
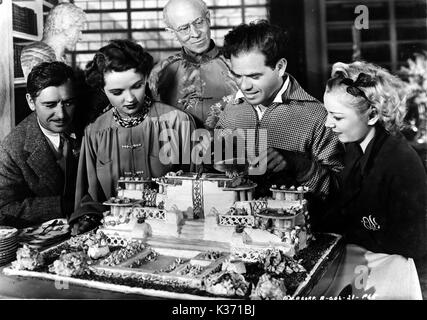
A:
[24,20]
[17,49]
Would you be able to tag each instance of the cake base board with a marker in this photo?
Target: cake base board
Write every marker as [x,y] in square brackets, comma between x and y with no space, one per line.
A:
[303,289]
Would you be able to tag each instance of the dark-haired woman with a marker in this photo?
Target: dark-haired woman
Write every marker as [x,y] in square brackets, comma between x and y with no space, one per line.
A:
[382,207]
[136,136]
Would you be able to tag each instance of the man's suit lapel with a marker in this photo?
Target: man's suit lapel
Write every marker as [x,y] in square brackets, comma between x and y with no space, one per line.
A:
[41,158]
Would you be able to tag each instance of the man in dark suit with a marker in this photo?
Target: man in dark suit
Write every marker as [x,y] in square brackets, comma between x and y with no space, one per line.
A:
[38,159]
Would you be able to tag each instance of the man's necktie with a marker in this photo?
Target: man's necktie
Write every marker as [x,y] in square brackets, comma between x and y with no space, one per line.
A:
[64,151]
[67,165]
[66,148]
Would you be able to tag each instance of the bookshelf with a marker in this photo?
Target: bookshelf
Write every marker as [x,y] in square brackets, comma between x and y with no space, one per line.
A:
[27,20]
[27,26]
[21,22]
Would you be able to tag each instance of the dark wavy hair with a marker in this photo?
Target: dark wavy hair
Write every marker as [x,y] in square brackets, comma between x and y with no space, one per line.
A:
[118,55]
[271,40]
[47,74]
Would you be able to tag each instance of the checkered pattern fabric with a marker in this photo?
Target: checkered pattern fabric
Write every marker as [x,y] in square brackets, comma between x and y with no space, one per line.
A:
[295,125]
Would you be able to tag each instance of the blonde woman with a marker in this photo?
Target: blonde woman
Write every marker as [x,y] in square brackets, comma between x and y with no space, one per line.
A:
[382,204]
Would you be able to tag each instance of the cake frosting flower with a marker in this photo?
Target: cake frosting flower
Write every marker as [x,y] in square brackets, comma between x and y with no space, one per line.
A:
[27,258]
[98,245]
[227,283]
[270,288]
[70,264]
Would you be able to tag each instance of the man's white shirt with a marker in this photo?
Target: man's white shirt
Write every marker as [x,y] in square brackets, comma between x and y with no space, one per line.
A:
[260,109]
[53,137]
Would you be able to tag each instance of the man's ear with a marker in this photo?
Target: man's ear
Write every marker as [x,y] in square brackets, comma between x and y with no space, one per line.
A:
[208,16]
[281,66]
[373,116]
[30,102]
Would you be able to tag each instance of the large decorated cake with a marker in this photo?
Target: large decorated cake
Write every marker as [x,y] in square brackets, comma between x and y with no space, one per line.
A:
[190,236]
[211,207]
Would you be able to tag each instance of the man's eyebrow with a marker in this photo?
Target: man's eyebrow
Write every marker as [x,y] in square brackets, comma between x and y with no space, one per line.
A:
[56,101]
[70,98]
[234,74]
[50,102]
[255,74]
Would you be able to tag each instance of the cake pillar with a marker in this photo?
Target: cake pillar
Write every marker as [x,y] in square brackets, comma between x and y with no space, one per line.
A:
[243,195]
[236,196]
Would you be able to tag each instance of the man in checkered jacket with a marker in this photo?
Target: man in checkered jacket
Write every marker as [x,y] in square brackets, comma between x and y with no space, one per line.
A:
[300,149]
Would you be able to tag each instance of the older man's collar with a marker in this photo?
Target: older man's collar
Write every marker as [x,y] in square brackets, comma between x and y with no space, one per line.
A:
[207,56]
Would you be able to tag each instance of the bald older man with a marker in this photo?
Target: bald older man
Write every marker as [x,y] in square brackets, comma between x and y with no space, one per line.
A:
[197,77]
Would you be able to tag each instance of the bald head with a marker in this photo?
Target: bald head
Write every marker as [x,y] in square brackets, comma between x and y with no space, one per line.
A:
[189,20]
[178,8]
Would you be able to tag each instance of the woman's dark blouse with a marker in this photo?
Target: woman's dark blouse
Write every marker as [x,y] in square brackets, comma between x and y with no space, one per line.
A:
[382,205]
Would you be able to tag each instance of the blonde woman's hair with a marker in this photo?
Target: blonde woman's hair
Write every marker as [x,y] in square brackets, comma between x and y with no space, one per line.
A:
[377,89]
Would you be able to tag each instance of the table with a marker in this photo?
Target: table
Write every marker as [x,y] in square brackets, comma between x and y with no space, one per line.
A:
[29,287]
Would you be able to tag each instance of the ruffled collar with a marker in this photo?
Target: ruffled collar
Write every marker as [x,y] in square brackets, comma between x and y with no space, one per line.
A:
[134,120]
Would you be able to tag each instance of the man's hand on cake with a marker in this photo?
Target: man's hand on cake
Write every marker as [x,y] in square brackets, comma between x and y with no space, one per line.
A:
[276,162]
[279,160]
[84,224]
[233,174]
